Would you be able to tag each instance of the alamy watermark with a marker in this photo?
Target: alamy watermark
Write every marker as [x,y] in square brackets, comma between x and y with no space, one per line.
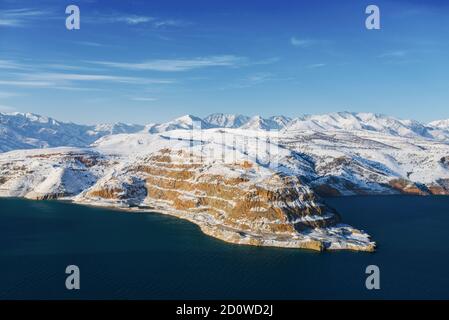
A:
[73,21]
[372,282]
[372,22]
[72,282]
[232,146]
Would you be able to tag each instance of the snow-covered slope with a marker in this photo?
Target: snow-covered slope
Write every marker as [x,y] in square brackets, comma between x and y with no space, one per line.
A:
[186,122]
[101,130]
[27,130]
[366,162]
[221,120]
[259,123]
[440,124]
[363,122]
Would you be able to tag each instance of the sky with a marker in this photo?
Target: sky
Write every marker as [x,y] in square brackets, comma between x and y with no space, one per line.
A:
[140,61]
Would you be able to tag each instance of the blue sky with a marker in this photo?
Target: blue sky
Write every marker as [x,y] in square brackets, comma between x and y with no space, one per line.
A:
[150,61]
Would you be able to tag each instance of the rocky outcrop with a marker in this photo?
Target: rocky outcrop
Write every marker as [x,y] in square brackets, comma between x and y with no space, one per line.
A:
[237,202]
[406,187]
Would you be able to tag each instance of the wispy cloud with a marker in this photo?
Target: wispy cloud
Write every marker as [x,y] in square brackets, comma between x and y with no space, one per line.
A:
[68,67]
[316,65]
[20,83]
[171,23]
[133,20]
[88,43]
[176,65]
[254,80]
[394,54]
[143,99]
[19,17]
[9,64]
[63,77]
[259,78]
[68,81]
[306,43]
[4,108]
[302,43]
[72,88]
[75,77]
[7,94]
[41,74]
[34,65]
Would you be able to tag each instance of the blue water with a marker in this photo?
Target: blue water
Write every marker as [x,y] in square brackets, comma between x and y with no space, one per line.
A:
[151,256]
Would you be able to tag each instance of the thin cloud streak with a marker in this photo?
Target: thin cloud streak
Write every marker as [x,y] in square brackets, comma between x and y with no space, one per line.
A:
[66,81]
[143,99]
[9,64]
[87,77]
[134,20]
[19,17]
[177,65]
[4,108]
[18,83]
[302,43]
[316,65]
[306,43]
[5,95]
[254,80]
[394,54]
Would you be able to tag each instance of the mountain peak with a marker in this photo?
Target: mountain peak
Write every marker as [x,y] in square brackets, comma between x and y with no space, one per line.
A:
[28,130]
[187,118]
[226,120]
[440,124]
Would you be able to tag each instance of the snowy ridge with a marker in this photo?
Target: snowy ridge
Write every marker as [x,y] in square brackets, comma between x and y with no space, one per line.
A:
[222,120]
[27,130]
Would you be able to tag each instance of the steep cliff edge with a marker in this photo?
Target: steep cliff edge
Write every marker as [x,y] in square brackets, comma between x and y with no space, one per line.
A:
[238,203]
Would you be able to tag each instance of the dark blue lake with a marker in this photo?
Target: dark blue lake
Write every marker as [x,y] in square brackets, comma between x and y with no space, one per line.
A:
[152,256]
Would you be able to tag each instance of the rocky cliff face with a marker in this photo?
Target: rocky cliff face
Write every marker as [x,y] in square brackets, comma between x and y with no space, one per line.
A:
[236,202]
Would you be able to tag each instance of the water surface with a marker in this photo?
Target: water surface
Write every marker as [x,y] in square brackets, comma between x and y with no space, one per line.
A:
[152,256]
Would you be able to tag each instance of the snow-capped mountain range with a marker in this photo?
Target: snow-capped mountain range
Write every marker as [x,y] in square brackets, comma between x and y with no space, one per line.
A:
[27,130]
[246,180]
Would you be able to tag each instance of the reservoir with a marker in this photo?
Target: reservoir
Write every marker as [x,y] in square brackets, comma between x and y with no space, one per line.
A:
[152,256]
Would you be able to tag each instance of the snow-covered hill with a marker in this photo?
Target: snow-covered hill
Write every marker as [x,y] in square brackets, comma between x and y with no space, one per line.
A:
[362,122]
[440,124]
[187,122]
[27,130]
[221,120]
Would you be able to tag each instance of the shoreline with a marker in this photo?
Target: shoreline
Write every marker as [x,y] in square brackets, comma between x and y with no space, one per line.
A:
[319,239]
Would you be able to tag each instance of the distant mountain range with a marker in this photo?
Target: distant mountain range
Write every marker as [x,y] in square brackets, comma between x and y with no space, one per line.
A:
[27,130]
